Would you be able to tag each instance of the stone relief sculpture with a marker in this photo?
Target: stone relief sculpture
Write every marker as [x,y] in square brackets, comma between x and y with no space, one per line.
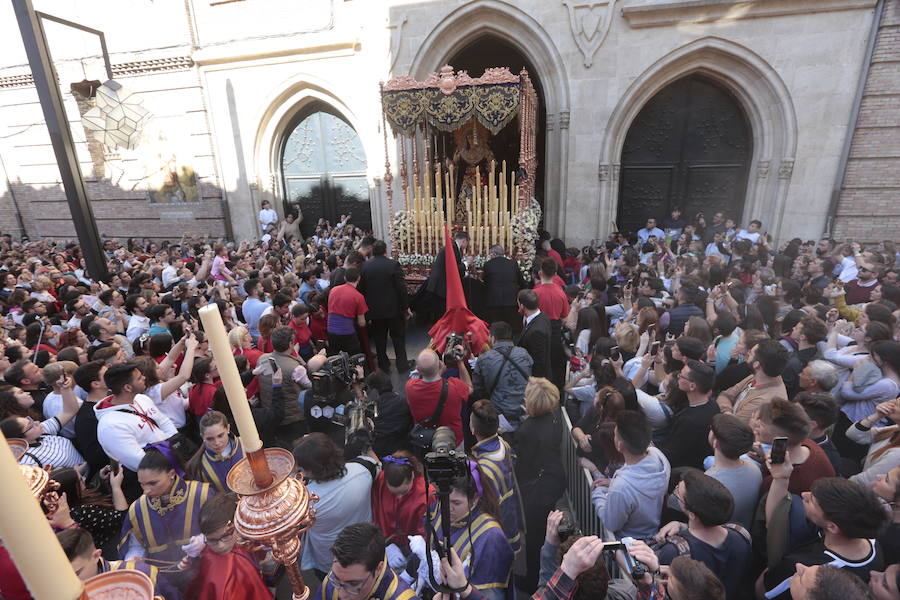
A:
[589,21]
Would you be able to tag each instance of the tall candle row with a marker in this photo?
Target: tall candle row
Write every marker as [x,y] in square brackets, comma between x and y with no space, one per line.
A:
[489,210]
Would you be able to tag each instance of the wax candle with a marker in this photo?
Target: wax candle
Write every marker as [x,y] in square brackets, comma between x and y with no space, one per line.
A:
[27,535]
[231,379]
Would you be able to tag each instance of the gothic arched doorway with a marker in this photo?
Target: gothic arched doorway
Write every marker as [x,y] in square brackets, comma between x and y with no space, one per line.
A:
[490,51]
[690,146]
[323,167]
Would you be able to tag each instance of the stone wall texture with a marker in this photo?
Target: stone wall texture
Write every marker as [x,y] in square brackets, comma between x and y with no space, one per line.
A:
[869,205]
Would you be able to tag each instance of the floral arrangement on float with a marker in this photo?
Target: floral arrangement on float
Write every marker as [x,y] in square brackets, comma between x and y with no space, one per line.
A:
[525,233]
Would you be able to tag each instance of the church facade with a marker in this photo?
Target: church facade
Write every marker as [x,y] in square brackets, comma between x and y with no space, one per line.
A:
[785,111]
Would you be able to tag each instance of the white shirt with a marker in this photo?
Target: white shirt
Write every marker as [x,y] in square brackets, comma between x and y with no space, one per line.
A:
[850,269]
[53,405]
[644,234]
[123,435]
[172,406]
[529,319]
[52,449]
[267,216]
[169,276]
[137,326]
[743,234]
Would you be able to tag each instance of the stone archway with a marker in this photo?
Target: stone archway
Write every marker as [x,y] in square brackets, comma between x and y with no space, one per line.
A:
[761,93]
[280,111]
[492,18]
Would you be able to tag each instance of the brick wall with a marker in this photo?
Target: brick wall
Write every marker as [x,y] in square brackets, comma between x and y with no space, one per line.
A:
[869,204]
[116,181]
[119,213]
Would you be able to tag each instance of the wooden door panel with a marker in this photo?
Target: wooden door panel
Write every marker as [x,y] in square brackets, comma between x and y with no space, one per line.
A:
[696,132]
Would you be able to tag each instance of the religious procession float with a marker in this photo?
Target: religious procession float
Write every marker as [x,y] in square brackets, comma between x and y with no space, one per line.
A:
[444,128]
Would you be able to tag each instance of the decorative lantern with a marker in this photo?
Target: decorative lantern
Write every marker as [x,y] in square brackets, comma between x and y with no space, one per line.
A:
[118,116]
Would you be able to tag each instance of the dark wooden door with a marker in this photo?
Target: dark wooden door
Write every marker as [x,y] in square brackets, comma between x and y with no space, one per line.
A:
[689,147]
[324,171]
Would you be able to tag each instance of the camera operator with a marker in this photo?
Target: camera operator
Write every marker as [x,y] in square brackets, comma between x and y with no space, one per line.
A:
[423,393]
[496,458]
[501,374]
[476,534]
[567,582]
[594,582]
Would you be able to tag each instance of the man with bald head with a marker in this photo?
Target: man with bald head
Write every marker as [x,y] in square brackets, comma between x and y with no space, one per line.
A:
[423,393]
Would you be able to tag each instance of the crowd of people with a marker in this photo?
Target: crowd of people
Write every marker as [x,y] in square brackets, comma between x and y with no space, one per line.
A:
[735,405]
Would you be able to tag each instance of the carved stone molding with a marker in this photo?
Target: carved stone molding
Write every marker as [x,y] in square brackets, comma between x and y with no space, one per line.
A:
[589,21]
[762,169]
[603,172]
[396,28]
[654,13]
[564,117]
[786,169]
[617,168]
[138,67]
[551,121]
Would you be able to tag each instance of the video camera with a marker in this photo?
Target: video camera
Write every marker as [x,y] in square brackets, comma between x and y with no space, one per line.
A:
[444,464]
[331,386]
[452,351]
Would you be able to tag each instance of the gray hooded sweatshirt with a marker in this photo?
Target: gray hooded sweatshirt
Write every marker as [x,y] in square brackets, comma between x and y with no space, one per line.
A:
[632,503]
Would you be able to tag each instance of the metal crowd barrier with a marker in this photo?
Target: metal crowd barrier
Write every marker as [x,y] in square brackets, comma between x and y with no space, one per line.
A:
[578,484]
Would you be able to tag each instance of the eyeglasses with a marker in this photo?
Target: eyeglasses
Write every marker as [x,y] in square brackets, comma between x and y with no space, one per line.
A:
[31,425]
[864,270]
[678,497]
[350,588]
[223,539]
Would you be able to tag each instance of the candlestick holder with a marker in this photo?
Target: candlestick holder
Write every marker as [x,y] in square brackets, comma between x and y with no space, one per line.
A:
[274,515]
[126,584]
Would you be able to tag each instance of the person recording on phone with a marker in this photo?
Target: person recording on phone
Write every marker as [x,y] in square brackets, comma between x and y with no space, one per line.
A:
[594,581]
[46,445]
[788,420]
[842,519]
[581,575]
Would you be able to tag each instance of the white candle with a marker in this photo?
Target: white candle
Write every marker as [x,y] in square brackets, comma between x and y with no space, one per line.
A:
[27,535]
[231,378]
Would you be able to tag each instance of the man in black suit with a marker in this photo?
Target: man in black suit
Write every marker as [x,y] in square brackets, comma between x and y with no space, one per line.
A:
[384,287]
[503,280]
[535,336]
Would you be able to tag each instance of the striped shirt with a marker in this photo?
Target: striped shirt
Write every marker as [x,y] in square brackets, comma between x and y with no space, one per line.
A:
[52,449]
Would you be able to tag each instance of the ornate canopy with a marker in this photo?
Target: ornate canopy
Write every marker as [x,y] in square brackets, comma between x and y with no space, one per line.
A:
[446,100]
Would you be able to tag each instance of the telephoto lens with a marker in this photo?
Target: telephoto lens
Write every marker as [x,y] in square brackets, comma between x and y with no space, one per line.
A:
[444,440]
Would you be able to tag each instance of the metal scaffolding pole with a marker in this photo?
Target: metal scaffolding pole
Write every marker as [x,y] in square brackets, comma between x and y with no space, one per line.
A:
[45,81]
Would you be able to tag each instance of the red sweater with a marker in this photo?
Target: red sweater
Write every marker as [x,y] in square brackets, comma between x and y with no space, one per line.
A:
[804,474]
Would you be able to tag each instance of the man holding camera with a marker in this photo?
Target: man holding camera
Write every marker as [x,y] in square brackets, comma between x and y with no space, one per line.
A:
[424,393]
